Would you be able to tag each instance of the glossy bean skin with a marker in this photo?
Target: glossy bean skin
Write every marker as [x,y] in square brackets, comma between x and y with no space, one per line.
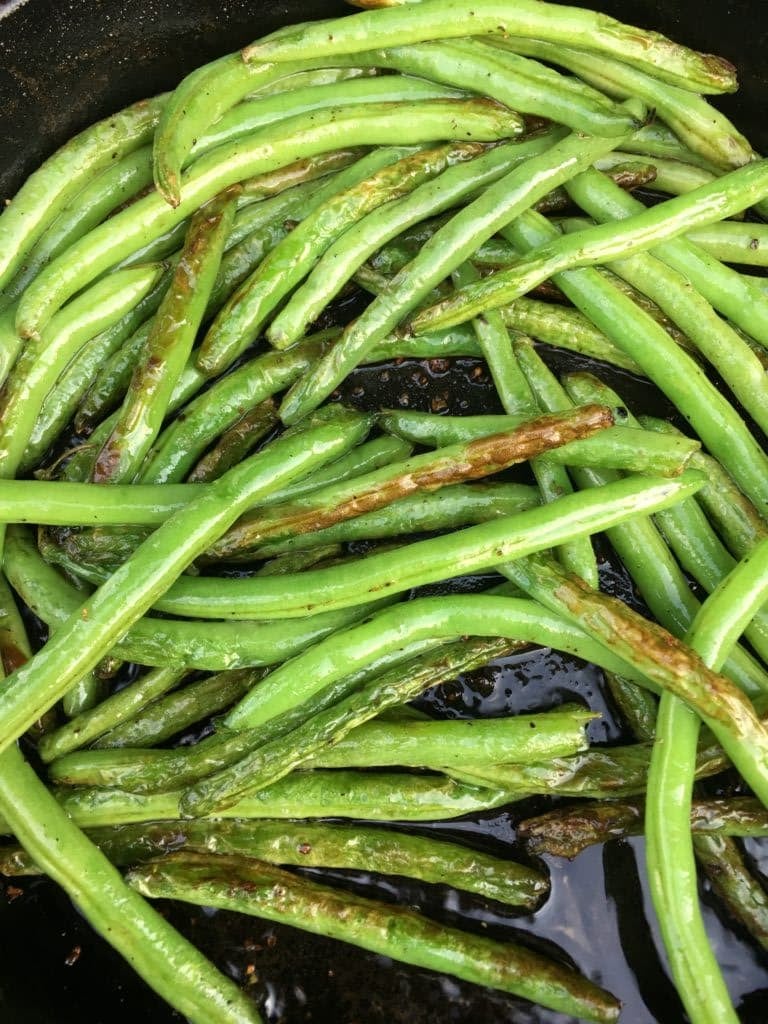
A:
[320,845]
[85,638]
[433,20]
[210,646]
[348,254]
[169,343]
[449,247]
[59,179]
[244,315]
[263,151]
[671,863]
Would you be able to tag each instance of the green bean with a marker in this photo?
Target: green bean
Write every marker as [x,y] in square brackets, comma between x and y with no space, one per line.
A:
[443,20]
[108,190]
[448,248]
[520,739]
[146,940]
[260,110]
[244,315]
[566,832]
[168,345]
[344,257]
[210,646]
[647,228]
[639,544]
[264,150]
[105,616]
[64,174]
[330,716]
[426,561]
[671,865]
[617,447]
[374,796]
[712,416]
[736,518]
[66,394]
[314,76]
[431,471]
[41,361]
[701,554]
[719,343]
[384,851]
[111,381]
[452,507]
[477,615]
[88,726]
[700,126]
[164,717]
[70,504]
[250,886]
[236,443]
[731,880]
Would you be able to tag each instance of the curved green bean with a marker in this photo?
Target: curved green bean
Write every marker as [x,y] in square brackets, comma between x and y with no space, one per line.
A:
[671,866]
[105,616]
[444,19]
[703,128]
[246,312]
[236,443]
[447,249]
[249,886]
[64,174]
[336,267]
[264,150]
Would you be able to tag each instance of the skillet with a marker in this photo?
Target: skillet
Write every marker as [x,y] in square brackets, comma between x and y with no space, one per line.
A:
[63,67]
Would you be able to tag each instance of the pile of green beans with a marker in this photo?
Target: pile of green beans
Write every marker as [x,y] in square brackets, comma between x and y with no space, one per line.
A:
[193,481]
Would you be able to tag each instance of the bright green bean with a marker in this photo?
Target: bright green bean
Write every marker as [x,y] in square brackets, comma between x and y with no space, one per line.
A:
[264,150]
[63,175]
[447,249]
[445,19]
[362,240]
[671,865]
[90,633]
[211,646]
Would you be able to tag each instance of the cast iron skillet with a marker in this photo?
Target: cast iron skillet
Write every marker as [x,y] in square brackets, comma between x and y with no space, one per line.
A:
[61,68]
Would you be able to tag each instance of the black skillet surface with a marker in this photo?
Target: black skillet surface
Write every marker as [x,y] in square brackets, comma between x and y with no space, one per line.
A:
[61,68]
